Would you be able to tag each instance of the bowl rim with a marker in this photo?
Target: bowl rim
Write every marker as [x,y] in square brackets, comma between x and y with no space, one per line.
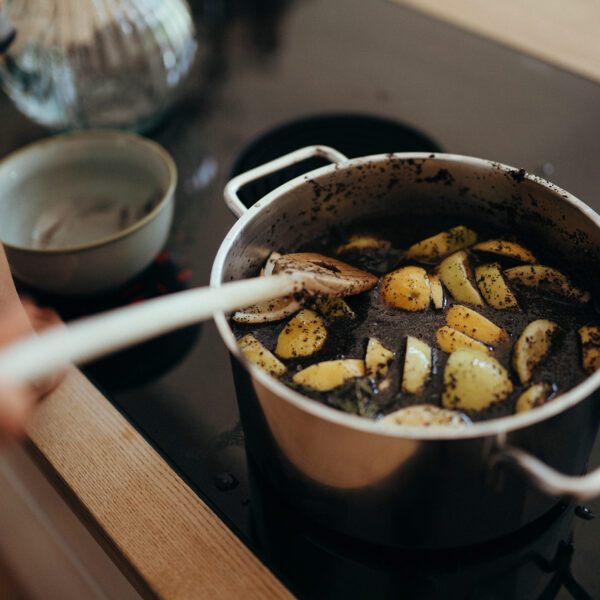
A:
[496,427]
[93,134]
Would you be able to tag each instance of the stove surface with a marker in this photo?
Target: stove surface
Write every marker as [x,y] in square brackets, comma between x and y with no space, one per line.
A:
[264,65]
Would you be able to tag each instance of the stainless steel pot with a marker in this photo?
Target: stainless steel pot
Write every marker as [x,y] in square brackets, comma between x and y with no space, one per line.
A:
[407,485]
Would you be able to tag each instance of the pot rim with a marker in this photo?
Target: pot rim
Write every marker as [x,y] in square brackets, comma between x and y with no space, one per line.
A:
[492,427]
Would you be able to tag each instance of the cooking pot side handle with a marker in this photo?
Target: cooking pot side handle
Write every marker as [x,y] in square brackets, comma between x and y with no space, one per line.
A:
[238,208]
[550,481]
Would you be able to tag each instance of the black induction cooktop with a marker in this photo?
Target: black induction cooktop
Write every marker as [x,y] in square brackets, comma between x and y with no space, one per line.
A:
[314,562]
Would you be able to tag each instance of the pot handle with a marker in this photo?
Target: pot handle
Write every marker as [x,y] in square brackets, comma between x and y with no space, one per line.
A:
[238,208]
[579,488]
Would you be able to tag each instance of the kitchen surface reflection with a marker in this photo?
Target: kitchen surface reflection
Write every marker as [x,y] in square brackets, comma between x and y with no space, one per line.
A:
[318,563]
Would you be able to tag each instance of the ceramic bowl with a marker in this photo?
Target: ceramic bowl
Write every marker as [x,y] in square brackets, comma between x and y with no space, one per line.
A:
[82,213]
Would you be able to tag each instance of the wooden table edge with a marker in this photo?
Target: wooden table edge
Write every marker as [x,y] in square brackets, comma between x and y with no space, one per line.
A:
[548,31]
[161,535]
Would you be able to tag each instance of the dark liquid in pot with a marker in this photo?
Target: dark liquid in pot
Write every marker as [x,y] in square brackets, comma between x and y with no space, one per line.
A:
[348,338]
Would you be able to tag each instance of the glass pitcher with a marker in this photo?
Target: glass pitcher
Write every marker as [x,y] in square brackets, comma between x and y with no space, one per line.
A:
[74,64]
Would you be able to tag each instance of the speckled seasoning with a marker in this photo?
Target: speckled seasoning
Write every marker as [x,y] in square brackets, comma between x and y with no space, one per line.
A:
[329,336]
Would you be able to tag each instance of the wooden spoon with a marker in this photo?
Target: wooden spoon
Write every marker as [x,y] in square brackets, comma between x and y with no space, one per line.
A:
[83,340]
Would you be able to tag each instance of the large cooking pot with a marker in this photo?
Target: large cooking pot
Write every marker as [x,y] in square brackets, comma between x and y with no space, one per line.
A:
[408,485]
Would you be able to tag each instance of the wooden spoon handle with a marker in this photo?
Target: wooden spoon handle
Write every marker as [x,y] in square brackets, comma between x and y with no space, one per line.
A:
[86,339]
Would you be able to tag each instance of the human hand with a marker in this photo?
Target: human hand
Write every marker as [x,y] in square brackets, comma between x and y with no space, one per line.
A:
[17,403]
